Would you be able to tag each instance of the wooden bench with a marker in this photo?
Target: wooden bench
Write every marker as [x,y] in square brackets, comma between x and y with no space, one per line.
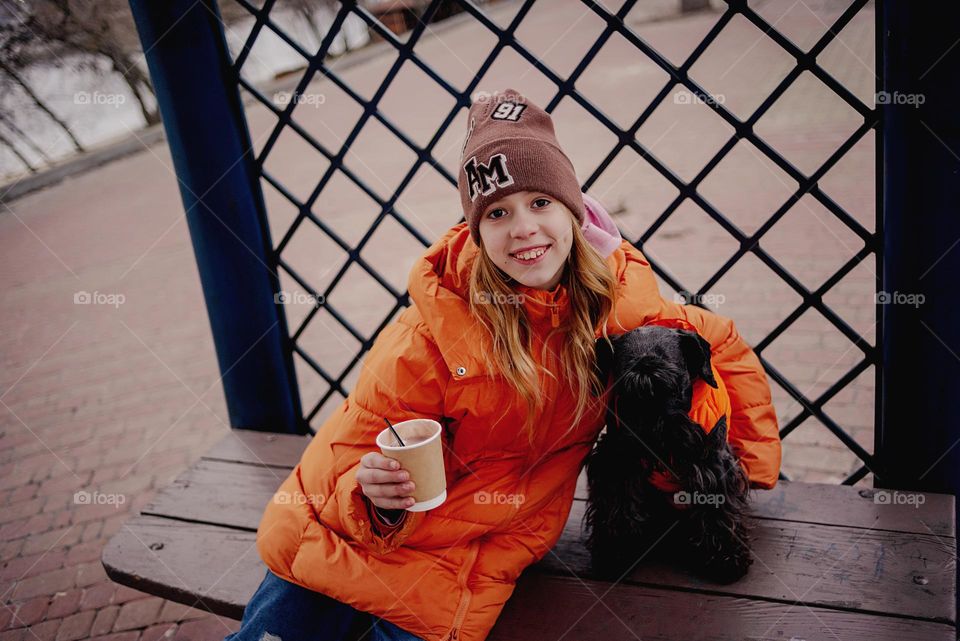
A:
[831,562]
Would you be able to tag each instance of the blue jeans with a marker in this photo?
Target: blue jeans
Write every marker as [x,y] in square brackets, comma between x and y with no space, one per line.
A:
[283,611]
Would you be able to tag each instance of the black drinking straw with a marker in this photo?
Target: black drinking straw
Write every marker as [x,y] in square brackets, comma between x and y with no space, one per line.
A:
[399,440]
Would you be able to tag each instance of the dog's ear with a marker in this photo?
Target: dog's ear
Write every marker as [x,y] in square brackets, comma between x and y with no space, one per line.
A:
[718,435]
[696,352]
[604,357]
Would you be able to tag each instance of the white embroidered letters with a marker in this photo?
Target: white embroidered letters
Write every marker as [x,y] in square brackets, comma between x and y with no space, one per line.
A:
[484,179]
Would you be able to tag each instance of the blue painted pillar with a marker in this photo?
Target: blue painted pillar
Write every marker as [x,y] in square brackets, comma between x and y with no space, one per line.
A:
[918,436]
[919,439]
[210,144]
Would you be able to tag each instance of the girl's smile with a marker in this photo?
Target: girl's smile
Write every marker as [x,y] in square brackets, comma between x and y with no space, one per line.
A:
[530,256]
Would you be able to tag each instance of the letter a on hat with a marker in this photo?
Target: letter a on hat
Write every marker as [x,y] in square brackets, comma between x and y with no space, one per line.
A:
[484,179]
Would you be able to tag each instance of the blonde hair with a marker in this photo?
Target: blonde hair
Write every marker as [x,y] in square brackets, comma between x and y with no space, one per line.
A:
[591,289]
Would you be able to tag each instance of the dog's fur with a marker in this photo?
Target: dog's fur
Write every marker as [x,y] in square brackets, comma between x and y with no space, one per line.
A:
[627,518]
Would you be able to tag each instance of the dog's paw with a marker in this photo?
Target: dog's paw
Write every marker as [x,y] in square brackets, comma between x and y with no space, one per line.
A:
[727,566]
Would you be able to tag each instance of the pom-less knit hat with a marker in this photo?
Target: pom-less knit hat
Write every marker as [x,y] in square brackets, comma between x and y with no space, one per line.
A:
[511,146]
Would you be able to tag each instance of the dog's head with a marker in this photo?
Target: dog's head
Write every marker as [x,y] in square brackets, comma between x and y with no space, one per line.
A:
[655,366]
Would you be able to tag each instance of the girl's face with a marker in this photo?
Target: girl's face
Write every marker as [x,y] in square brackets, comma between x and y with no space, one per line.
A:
[528,235]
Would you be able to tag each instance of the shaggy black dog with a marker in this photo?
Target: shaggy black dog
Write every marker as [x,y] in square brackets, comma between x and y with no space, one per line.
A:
[649,432]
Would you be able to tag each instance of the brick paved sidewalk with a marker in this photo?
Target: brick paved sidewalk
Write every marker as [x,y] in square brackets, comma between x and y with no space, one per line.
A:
[113,399]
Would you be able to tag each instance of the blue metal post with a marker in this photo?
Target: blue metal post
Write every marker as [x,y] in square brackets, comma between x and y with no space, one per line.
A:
[203,117]
[918,438]
[919,443]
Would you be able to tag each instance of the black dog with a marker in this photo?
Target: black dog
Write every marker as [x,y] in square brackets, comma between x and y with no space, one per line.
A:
[649,433]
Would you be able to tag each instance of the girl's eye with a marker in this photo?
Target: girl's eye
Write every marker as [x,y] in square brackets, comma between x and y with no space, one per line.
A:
[491,214]
[542,200]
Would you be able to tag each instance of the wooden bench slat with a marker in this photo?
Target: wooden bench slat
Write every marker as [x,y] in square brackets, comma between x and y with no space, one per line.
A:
[809,502]
[259,448]
[554,607]
[846,505]
[178,561]
[162,557]
[826,565]
[219,493]
[906,574]
[856,507]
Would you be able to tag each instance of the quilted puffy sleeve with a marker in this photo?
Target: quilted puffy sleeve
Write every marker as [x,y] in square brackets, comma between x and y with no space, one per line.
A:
[403,377]
[753,432]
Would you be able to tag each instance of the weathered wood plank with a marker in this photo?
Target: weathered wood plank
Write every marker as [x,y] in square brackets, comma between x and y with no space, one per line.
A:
[849,568]
[259,448]
[923,513]
[212,568]
[219,493]
[811,502]
[906,574]
[849,506]
[161,556]
[552,607]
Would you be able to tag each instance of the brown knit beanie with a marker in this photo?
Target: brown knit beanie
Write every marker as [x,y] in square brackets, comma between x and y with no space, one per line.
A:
[511,146]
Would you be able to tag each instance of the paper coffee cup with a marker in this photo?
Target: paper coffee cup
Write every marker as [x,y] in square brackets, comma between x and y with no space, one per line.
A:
[422,457]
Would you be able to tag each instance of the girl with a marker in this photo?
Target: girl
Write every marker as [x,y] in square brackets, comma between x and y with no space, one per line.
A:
[499,347]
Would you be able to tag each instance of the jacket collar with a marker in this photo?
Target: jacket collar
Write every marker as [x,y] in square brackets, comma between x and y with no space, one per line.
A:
[545,307]
[438,286]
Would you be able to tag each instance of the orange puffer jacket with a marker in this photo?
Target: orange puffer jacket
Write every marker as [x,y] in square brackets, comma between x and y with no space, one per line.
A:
[446,573]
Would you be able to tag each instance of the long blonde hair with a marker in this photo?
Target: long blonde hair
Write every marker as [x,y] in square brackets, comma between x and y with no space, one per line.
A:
[591,289]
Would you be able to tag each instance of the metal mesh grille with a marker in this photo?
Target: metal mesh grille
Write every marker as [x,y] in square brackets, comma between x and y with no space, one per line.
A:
[626,138]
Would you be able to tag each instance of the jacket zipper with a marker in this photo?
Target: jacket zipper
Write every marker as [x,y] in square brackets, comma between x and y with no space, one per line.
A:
[539,444]
[464,574]
[465,592]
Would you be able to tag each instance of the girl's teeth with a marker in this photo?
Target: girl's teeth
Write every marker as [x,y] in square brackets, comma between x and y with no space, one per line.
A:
[531,254]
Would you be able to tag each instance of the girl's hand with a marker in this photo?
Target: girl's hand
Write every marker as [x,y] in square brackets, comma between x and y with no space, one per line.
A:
[384,482]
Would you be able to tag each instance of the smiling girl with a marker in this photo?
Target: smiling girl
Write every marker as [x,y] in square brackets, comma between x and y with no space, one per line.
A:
[499,346]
